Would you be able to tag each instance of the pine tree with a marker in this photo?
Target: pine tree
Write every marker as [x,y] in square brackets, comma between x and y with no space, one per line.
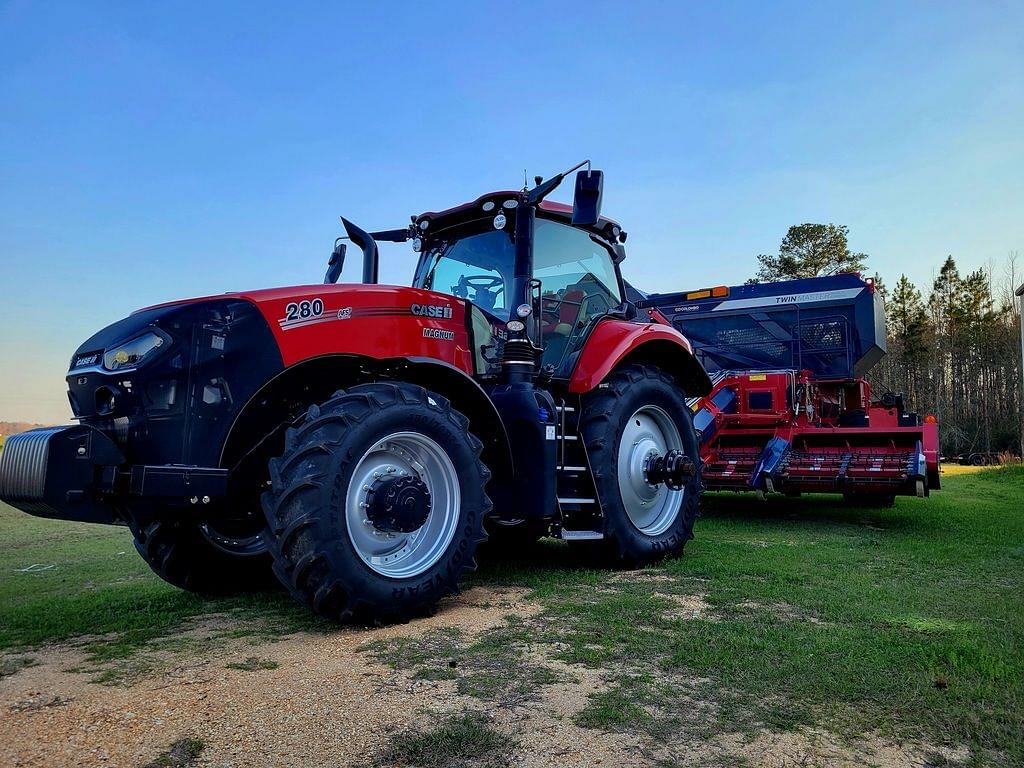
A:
[810,250]
[909,334]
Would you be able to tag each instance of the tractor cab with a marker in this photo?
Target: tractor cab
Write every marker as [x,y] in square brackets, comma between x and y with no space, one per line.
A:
[470,252]
[542,272]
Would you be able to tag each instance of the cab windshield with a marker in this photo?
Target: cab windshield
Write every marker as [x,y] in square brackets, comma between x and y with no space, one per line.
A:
[578,280]
[477,267]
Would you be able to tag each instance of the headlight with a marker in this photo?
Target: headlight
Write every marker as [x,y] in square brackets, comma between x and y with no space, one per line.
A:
[133,353]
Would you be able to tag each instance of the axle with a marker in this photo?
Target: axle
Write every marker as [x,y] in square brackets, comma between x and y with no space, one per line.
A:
[673,469]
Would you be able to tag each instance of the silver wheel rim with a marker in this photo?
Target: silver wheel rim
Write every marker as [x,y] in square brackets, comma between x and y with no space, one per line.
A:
[650,432]
[404,555]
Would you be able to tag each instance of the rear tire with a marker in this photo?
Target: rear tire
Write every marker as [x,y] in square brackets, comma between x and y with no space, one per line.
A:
[332,547]
[640,406]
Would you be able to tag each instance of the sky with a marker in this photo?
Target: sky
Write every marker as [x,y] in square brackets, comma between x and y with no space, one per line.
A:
[151,152]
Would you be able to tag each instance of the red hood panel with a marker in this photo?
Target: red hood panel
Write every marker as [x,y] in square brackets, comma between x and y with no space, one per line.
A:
[379,321]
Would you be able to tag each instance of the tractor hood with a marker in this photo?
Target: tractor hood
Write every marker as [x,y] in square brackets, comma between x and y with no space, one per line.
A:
[170,379]
[379,321]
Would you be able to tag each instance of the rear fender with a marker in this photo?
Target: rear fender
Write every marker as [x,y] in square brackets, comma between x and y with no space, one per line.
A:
[614,343]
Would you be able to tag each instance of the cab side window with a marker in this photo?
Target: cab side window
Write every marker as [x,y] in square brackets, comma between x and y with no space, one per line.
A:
[578,285]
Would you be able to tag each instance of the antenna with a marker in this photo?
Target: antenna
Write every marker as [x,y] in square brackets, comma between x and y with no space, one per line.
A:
[542,190]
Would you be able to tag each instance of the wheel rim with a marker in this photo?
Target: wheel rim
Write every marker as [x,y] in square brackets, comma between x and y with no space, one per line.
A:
[241,545]
[395,554]
[649,432]
[237,536]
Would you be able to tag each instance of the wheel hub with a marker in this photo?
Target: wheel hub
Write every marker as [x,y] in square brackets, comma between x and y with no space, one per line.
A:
[648,438]
[398,504]
[405,552]
[673,469]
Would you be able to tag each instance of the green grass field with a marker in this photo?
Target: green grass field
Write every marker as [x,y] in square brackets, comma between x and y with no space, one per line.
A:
[906,622]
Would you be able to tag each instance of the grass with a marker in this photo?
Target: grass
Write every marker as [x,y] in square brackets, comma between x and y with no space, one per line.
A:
[63,580]
[905,622]
[252,664]
[181,754]
[454,742]
[493,666]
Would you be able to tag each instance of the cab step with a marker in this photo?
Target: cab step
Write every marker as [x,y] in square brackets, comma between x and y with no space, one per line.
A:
[578,504]
[581,535]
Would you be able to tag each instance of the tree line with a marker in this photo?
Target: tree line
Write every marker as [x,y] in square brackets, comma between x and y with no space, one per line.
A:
[954,347]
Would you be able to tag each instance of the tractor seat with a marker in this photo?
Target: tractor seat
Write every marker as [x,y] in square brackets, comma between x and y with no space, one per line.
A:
[568,310]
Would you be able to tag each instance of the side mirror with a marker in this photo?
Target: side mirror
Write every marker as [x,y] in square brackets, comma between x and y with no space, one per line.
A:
[335,263]
[586,202]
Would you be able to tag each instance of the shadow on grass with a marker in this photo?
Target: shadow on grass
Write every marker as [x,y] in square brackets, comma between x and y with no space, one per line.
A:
[545,564]
[909,515]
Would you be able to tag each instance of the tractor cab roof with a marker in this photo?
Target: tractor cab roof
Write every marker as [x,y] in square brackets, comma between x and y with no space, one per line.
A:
[506,201]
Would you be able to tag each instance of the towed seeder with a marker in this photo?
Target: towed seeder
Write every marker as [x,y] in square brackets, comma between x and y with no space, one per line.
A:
[790,410]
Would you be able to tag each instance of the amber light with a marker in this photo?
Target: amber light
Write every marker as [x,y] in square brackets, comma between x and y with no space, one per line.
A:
[718,292]
[929,419]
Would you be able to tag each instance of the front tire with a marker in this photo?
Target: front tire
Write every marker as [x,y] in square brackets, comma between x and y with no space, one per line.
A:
[196,557]
[637,412]
[377,505]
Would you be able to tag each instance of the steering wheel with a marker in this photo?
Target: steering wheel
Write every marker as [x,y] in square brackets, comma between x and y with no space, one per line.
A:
[486,289]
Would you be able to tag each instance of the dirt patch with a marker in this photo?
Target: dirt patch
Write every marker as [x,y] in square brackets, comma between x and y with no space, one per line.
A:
[37,700]
[687,606]
[325,704]
[325,700]
[11,664]
[546,727]
[818,748]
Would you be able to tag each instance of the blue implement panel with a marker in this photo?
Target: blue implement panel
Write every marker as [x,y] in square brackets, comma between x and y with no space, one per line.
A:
[833,326]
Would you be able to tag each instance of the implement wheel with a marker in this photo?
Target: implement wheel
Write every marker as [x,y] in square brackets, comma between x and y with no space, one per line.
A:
[377,505]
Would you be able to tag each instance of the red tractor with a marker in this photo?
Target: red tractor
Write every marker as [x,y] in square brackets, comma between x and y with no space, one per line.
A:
[356,441]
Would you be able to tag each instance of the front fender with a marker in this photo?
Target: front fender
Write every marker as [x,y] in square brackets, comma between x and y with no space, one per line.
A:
[615,342]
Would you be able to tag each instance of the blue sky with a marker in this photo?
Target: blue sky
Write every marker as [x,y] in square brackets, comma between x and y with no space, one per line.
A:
[150,152]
